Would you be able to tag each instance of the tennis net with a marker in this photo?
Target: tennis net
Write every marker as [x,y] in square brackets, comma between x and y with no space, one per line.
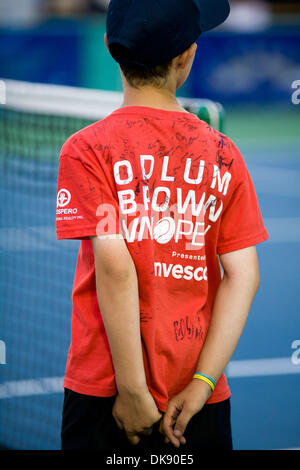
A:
[36,271]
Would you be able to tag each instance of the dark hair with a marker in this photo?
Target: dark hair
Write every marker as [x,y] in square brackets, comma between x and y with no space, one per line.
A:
[138,76]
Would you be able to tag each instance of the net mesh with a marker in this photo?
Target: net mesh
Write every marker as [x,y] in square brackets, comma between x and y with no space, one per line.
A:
[36,271]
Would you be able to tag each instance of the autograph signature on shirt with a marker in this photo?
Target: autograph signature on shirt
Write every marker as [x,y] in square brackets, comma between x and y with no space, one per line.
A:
[186,328]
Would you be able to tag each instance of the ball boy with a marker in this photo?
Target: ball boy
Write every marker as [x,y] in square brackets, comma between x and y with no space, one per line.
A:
[158,199]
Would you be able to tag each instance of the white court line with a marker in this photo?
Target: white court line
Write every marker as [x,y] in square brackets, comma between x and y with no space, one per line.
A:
[25,388]
[243,368]
[262,367]
[289,448]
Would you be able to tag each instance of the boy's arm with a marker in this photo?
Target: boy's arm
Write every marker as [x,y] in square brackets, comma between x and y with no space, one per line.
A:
[231,307]
[117,289]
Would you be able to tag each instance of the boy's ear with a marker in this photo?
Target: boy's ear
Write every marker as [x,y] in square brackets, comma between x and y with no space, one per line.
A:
[186,56]
[105,41]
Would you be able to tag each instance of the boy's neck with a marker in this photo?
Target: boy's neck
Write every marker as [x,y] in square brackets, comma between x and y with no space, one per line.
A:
[149,96]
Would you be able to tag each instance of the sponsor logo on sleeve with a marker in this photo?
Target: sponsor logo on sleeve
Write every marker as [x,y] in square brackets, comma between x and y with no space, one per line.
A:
[63,197]
[63,200]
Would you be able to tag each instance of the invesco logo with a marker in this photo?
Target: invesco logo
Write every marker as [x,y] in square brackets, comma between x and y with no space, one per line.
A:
[63,198]
[177,271]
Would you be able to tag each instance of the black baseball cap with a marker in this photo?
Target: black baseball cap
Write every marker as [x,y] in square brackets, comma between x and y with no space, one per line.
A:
[145,33]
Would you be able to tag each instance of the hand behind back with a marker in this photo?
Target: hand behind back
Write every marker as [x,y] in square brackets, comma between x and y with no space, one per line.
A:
[136,414]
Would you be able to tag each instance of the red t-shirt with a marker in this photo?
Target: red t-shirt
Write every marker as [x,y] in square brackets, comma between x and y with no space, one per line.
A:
[180,194]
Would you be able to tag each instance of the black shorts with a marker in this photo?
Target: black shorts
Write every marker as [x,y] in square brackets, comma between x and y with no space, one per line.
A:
[88,424]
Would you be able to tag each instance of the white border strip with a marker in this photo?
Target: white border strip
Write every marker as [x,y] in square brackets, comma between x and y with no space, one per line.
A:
[235,369]
[79,102]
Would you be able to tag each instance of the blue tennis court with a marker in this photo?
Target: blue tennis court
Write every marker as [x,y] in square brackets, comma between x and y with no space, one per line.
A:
[265,402]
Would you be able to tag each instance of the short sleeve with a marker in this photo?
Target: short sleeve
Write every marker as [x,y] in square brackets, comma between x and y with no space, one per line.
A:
[87,203]
[241,225]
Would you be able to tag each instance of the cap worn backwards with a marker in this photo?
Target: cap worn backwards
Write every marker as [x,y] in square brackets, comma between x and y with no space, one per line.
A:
[145,33]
